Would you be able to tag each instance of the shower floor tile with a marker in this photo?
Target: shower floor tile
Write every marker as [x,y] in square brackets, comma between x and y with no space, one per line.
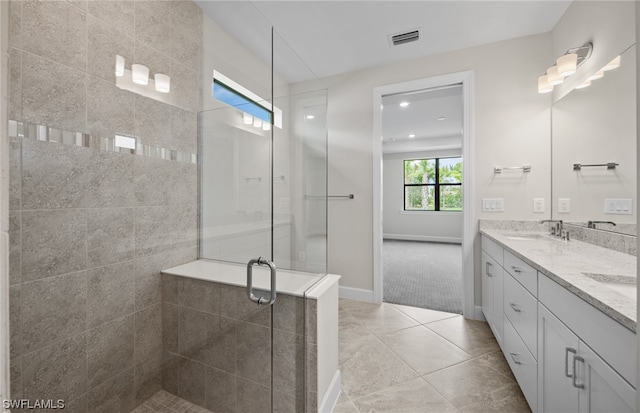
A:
[165,402]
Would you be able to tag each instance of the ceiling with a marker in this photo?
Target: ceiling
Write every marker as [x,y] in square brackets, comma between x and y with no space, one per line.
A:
[325,38]
[333,37]
[433,117]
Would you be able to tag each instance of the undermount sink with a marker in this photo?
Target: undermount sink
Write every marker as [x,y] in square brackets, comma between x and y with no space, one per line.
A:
[524,237]
[624,284]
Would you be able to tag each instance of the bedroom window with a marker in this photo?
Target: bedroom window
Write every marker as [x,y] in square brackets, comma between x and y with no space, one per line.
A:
[433,184]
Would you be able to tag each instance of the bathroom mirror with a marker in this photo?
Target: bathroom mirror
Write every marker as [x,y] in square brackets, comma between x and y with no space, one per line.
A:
[595,127]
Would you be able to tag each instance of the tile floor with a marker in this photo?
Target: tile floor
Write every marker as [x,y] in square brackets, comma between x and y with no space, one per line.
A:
[404,359]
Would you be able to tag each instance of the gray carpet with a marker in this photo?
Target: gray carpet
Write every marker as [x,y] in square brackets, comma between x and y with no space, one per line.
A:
[423,274]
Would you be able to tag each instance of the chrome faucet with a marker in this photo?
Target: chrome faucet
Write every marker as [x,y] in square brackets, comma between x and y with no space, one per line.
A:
[592,224]
[555,229]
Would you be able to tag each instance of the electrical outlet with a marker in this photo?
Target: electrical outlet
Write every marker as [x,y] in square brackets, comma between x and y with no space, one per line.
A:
[538,205]
[564,205]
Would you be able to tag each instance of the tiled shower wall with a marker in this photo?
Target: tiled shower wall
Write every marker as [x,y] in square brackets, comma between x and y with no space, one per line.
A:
[91,229]
[218,348]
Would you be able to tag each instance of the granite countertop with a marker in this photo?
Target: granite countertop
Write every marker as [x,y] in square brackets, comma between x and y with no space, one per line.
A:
[602,277]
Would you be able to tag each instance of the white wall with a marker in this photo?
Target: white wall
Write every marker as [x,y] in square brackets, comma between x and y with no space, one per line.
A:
[511,128]
[414,225]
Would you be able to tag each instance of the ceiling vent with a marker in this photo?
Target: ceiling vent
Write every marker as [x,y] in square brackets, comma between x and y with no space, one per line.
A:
[404,37]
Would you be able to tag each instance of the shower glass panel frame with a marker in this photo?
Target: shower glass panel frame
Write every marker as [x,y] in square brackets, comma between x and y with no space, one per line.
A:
[263,193]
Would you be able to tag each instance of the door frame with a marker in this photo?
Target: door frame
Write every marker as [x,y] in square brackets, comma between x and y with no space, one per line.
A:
[468,214]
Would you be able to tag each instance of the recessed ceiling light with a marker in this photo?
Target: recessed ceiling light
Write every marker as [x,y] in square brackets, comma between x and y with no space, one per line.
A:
[412,136]
[441,118]
[310,117]
[404,104]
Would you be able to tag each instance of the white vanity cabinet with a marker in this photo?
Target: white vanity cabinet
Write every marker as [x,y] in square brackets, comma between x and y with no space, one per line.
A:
[566,355]
[492,286]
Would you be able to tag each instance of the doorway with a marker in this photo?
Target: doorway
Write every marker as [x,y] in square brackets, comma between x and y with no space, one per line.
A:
[405,167]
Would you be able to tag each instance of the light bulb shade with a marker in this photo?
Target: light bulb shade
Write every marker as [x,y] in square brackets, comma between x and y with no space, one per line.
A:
[163,82]
[140,74]
[553,77]
[597,75]
[247,119]
[567,64]
[614,64]
[266,126]
[119,66]
[543,85]
[584,84]
[257,122]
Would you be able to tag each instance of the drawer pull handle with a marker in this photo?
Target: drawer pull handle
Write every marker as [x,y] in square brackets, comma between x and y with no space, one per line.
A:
[514,358]
[516,269]
[515,307]
[488,269]
[575,375]
[568,350]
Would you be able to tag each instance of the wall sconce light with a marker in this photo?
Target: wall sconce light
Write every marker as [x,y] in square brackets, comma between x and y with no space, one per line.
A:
[257,122]
[565,66]
[266,126]
[137,80]
[614,64]
[163,82]
[140,74]
[246,118]
[119,66]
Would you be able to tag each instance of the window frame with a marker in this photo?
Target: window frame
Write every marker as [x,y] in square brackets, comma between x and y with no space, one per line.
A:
[436,185]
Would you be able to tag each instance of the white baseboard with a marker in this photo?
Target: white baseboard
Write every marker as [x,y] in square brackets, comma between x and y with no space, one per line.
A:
[356,294]
[405,237]
[478,315]
[333,393]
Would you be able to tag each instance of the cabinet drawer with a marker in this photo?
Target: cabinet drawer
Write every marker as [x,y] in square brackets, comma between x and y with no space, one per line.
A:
[522,272]
[521,308]
[493,249]
[522,363]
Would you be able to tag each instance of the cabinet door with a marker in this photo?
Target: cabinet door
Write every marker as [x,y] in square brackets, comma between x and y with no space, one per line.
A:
[557,347]
[488,268]
[498,275]
[604,389]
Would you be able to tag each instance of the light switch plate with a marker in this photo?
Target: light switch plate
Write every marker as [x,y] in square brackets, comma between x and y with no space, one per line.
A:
[618,206]
[493,204]
[538,205]
[564,205]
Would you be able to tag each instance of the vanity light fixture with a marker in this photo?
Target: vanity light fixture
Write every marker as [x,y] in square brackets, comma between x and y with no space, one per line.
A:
[553,77]
[597,75]
[566,65]
[137,80]
[163,82]
[584,84]
[257,122]
[266,126]
[543,85]
[140,74]
[119,66]
[614,64]
[247,119]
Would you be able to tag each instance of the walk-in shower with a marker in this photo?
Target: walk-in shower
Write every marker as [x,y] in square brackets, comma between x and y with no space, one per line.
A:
[262,237]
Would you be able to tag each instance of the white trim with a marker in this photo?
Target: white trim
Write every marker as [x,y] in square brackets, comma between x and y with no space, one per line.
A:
[479,315]
[468,229]
[332,395]
[426,238]
[357,294]
[429,213]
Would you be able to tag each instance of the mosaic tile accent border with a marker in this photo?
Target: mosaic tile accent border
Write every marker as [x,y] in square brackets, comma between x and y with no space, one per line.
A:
[53,135]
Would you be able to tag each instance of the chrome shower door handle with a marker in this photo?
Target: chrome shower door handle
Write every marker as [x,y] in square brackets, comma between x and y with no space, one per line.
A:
[272,268]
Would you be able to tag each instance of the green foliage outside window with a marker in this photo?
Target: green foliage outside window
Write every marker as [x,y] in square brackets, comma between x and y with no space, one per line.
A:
[433,184]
